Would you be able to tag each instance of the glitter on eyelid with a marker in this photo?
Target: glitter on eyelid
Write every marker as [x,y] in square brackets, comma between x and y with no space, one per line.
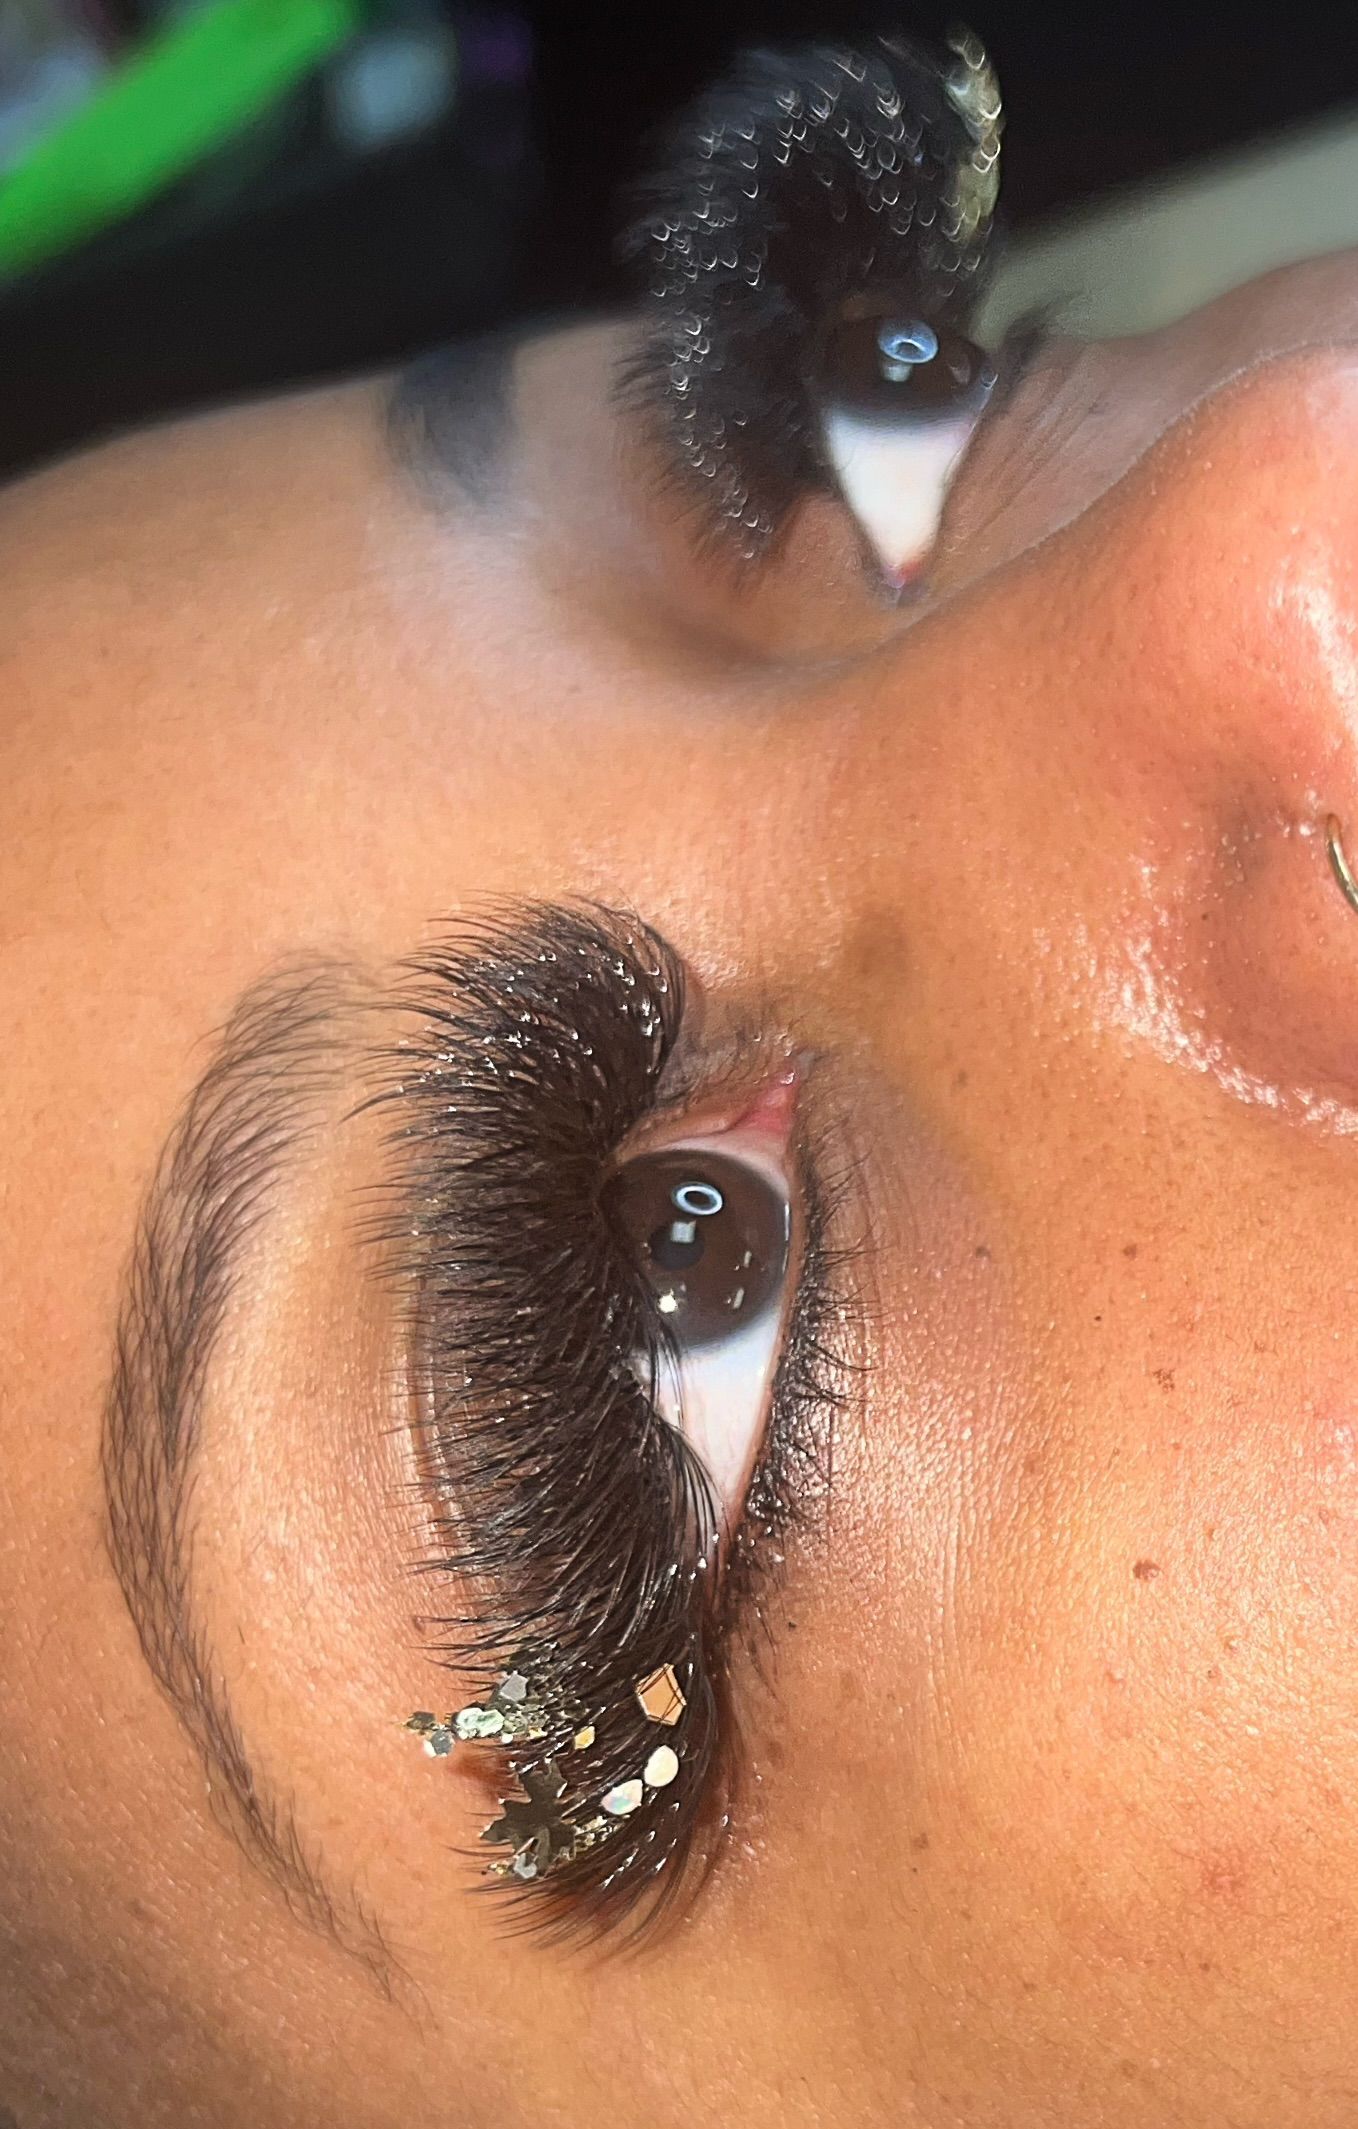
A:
[661,1767]
[624,1799]
[660,1695]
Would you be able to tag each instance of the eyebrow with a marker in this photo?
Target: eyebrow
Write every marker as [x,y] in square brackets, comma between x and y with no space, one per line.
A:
[450,415]
[278,1058]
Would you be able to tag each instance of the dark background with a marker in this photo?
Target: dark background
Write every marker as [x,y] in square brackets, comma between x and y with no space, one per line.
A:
[321,266]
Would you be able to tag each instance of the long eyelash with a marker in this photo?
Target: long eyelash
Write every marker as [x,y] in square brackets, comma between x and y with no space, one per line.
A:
[806,179]
[580,1525]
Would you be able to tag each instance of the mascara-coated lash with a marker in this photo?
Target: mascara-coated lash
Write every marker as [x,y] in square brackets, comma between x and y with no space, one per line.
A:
[575,1523]
[805,181]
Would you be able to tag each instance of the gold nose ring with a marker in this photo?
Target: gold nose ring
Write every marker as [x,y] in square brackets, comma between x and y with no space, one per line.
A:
[1339,864]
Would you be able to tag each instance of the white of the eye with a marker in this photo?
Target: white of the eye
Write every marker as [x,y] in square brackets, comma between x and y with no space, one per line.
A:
[894,477]
[718,1395]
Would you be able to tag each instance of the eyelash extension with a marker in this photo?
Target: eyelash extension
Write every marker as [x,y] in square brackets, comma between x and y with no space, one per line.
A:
[579,1524]
[806,179]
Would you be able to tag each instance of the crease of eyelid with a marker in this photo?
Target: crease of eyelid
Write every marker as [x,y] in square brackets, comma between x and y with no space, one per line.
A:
[474,986]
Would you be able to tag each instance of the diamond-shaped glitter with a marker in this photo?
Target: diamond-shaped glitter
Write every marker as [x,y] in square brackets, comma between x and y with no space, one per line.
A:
[661,1697]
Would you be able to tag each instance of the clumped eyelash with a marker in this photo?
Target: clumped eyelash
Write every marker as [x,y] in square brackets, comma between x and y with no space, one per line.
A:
[578,1525]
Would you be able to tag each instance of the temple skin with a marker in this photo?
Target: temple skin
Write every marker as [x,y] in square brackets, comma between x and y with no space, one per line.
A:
[1048,1814]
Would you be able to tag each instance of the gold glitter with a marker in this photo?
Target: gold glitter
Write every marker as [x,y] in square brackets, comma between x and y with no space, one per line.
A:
[583,1739]
[660,1696]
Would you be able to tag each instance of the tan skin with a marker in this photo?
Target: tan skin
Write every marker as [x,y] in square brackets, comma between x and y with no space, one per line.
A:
[1050,1810]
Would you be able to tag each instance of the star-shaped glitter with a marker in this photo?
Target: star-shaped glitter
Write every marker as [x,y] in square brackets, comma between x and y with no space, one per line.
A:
[532,1826]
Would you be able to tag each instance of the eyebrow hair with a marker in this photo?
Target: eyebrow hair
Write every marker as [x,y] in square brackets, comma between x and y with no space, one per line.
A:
[450,414]
[278,1058]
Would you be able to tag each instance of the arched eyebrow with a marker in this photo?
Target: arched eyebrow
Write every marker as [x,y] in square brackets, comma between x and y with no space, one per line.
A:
[278,1061]
[450,415]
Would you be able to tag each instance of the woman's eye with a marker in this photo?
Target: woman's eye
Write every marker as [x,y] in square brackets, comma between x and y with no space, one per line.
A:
[900,400]
[711,1233]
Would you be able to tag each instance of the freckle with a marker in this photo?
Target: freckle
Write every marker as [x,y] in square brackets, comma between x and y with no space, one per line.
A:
[1145,1570]
[1029,1987]
[1165,1377]
[1129,1249]
[850,1686]
[920,1843]
[1213,1672]
[1098,1319]
[1205,1966]
[960,1080]
[1127,2069]
[983,1252]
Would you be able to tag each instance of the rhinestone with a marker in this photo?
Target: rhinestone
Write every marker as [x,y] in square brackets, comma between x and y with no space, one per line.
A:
[661,1767]
[626,1797]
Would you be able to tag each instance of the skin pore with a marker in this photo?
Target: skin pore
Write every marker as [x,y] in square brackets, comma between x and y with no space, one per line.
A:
[1047,1808]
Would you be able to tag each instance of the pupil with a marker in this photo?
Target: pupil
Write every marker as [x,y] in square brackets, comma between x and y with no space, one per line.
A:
[711,1241]
[895,365]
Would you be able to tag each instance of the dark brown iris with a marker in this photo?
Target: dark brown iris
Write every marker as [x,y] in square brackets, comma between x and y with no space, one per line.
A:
[897,365]
[710,1235]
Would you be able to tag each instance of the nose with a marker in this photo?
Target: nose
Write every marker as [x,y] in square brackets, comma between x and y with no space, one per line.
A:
[1087,412]
[1127,771]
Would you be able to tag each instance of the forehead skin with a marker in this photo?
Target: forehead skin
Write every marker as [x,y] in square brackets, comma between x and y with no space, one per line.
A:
[1050,1813]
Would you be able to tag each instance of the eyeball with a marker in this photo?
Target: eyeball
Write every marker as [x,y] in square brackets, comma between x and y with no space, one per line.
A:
[711,1232]
[900,400]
